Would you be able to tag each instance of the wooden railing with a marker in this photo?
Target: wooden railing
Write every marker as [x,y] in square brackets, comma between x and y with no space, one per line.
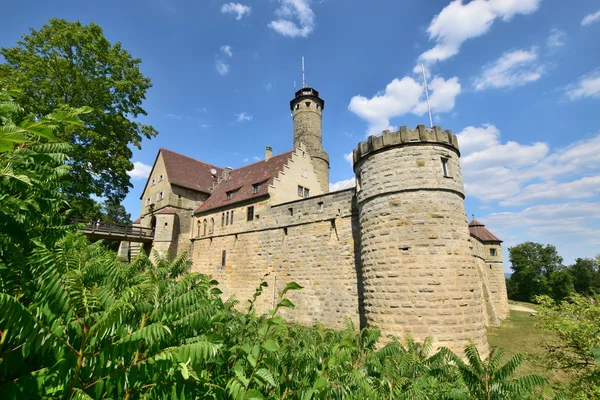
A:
[114,230]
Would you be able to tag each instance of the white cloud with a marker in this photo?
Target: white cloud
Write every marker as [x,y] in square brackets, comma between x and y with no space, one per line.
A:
[557,38]
[140,170]
[587,86]
[512,69]
[236,8]
[401,97]
[591,18]
[349,157]
[290,10]
[584,188]
[243,117]
[246,159]
[458,22]
[227,50]
[341,185]
[256,158]
[573,227]
[174,116]
[517,174]
[222,68]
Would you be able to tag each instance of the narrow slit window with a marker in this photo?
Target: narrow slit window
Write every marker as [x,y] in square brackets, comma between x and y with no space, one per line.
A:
[227,218]
[445,167]
[250,215]
[223,257]
[212,225]
[291,210]
[231,218]
[222,219]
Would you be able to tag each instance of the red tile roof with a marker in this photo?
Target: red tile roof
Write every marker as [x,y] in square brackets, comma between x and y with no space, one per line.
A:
[243,179]
[187,172]
[479,231]
[137,221]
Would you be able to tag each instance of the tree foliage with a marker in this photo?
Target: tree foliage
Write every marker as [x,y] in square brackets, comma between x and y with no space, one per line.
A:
[576,323]
[70,64]
[33,210]
[537,270]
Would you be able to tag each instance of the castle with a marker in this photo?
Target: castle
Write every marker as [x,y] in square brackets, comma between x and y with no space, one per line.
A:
[395,251]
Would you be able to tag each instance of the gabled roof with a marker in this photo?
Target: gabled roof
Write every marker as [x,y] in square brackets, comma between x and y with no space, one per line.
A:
[479,231]
[187,172]
[243,179]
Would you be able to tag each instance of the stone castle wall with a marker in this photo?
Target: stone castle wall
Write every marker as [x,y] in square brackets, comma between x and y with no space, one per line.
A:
[310,241]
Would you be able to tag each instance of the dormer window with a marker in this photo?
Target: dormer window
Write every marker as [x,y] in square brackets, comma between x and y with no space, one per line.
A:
[255,188]
[231,193]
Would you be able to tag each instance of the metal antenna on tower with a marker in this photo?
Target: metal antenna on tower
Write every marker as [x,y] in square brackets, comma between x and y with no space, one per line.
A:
[426,94]
[303,78]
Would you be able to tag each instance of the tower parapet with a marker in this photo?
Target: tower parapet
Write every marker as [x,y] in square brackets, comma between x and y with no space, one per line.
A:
[419,277]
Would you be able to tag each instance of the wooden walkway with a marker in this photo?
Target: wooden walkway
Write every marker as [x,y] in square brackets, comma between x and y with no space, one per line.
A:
[112,231]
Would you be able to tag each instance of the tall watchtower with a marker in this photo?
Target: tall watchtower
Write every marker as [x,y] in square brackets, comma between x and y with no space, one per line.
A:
[307,111]
[418,272]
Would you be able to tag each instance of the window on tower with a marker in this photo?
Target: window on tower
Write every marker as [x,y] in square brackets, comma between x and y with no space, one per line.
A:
[445,167]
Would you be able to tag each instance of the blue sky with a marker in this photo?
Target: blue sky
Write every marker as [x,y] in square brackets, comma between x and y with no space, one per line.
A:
[518,80]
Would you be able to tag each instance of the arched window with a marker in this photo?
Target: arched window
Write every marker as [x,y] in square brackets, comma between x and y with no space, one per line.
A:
[212,225]
[204,228]
[199,224]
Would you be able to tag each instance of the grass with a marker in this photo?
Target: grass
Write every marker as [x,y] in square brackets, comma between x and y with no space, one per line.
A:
[519,334]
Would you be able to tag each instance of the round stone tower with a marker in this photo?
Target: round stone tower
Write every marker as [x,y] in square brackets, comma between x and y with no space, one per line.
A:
[307,111]
[419,276]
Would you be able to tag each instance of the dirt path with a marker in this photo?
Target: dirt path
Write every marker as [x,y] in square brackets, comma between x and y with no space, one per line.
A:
[521,308]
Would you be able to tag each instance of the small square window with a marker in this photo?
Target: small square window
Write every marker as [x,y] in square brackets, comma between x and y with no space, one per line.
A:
[493,252]
[250,215]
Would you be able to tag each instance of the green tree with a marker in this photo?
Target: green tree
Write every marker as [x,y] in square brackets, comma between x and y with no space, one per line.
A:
[576,323]
[534,272]
[33,210]
[586,276]
[69,64]
[489,379]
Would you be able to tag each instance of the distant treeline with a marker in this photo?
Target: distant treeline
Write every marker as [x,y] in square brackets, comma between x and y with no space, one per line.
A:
[539,270]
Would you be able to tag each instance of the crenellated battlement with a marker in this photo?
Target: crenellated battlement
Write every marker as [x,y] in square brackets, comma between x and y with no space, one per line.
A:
[406,136]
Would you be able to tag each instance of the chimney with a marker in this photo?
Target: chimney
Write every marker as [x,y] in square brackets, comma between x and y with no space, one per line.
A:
[268,153]
[226,172]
